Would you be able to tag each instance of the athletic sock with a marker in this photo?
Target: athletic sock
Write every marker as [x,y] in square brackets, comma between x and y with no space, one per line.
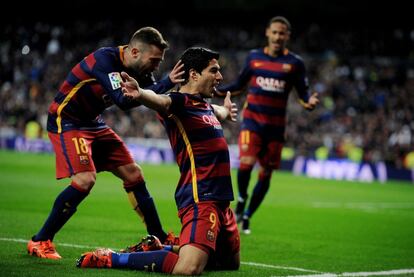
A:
[243,179]
[156,261]
[144,205]
[64,207]
[259,192]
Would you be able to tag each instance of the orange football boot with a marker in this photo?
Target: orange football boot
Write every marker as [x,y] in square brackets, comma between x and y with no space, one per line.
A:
[172,239]
[147,243]
[43,249]
[101,258]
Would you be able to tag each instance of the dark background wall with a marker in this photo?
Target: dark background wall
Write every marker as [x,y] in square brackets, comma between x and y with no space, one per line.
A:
[389,24]
[334,13]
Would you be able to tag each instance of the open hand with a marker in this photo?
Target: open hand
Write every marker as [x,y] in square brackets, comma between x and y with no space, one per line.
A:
[129,86]
[176,73]
[231,107]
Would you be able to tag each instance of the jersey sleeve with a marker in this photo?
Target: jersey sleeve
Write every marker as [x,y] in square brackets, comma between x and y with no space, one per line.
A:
[148,81]
[241,81]
[110,80]
[161,86]
[301,82]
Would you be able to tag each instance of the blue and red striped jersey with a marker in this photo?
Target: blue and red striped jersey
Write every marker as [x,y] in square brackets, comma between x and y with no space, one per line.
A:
[270,80]
[92,86]
[200,149]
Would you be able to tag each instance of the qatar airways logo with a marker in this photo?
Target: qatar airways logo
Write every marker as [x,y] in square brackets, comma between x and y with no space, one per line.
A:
[271,84]
[212,120]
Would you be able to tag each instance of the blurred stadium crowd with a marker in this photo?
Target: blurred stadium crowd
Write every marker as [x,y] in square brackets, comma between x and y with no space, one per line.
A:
[365,81]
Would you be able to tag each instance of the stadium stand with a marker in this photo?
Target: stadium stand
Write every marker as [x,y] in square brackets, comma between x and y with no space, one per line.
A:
[365,79]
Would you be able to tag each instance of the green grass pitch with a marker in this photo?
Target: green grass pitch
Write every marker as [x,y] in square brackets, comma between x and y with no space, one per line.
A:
[304,227]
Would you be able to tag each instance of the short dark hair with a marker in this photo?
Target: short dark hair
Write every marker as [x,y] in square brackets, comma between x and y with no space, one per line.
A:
[150,36]
[197,58]
[280,19]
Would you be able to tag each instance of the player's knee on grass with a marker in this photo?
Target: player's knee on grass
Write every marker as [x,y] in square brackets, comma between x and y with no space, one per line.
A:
[192,261]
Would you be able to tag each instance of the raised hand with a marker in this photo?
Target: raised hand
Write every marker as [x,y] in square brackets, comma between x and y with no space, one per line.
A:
[176,73]
[129,86]
[231,107]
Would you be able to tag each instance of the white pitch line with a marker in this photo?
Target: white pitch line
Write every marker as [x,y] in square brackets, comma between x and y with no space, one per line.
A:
[63,244]
[357,274]
[345,274]
[279,267]
[366,205]
[94,247]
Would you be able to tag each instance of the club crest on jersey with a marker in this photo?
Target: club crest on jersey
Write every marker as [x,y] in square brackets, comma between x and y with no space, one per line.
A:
[196,103]
[83,159]
[115,79]
[257,64]
[210,235]
[286,67]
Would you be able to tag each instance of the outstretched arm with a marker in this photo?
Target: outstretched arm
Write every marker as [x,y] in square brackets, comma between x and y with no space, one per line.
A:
[149,98]
[236,87]
[227,111]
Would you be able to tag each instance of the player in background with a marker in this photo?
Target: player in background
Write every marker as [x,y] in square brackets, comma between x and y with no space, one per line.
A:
[209,230]
[85,145]
[270,73]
